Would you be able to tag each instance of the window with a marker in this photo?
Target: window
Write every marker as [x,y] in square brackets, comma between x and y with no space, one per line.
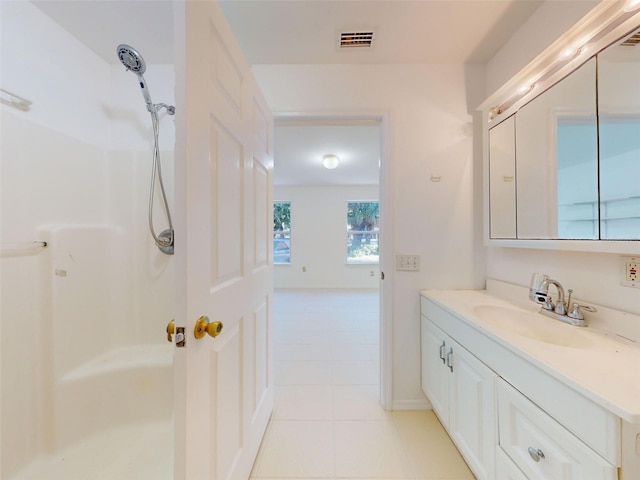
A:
[281,232]
[362,232]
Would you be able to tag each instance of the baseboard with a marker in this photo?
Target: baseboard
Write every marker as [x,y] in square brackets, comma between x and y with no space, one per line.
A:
[411,405]
[356,288]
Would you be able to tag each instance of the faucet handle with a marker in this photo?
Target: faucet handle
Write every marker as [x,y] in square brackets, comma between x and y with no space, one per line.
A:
[576,312]
[561,308]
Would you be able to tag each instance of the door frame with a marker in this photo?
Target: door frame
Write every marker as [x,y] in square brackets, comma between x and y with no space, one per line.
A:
[386,192]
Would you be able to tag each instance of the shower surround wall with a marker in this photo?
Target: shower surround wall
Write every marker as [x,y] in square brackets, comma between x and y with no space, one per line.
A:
[75,171]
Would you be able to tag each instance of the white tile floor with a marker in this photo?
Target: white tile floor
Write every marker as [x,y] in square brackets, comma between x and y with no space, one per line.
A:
[327,422]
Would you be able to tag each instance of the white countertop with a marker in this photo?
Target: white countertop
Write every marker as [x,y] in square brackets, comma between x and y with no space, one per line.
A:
[603,368]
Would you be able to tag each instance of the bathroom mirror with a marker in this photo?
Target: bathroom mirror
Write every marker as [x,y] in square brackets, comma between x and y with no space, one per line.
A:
[619,117]
[574,152]
[502,179]
[557,160]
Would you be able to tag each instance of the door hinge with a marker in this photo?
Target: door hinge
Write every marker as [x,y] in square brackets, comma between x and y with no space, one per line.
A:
[381,275]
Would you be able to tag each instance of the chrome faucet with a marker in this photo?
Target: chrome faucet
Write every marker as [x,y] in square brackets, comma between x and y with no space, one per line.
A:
[539,293]
[561,307]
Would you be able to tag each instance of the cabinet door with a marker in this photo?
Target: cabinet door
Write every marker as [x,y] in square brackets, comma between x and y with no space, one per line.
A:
[435,374]
[472,414]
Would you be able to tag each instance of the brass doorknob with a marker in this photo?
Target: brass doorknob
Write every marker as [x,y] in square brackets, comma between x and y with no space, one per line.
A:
[171,329]
[205,326]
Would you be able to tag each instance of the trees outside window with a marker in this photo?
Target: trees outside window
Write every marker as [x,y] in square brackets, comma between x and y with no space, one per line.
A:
[363,232]
[281,232]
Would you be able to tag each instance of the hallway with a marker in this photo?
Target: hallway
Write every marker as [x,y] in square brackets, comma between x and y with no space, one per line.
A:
[327,422]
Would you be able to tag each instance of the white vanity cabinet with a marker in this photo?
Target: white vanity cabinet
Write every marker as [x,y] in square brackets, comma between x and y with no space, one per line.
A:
[461,389]
[509,419]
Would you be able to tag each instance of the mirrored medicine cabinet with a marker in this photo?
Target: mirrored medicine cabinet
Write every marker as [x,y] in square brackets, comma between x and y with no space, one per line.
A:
[565,165]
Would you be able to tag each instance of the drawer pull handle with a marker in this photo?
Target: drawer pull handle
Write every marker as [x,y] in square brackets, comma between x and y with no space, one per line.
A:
[442,352]
[450,359]
[536,455]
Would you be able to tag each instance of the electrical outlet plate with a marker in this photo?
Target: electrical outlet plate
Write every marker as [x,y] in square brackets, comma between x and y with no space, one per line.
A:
[408,263]
[630,273]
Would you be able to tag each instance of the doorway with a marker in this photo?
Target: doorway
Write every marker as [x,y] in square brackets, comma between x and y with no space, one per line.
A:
[301,142]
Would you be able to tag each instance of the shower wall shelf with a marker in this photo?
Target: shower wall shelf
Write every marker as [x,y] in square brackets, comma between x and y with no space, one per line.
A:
[14,100]
[21,246]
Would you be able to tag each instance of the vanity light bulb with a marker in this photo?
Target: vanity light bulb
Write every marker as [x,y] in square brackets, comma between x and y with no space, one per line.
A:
[526,89]
[570,53]
[631,5]
[566,54]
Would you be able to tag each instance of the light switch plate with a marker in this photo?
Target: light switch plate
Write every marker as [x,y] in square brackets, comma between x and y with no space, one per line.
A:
[408,263]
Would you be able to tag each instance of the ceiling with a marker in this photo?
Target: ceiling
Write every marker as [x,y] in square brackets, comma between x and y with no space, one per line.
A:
[423,31]
[299,148]
[306,31]
[102,25]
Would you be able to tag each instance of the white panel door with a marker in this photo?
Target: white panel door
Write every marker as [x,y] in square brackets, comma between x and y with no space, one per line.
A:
[224,216]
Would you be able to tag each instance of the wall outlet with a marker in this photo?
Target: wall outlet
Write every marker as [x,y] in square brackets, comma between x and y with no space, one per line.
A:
[409,263]
[630,273]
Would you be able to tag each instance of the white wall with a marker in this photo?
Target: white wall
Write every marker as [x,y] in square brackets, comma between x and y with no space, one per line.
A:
[73,160]
[318,238]
[431,134]
[594,277]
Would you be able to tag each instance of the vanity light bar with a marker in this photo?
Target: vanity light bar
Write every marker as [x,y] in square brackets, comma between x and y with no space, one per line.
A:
[572,54]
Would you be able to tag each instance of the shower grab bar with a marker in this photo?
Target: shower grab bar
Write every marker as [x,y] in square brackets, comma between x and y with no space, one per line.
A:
[15,101]
[22,245]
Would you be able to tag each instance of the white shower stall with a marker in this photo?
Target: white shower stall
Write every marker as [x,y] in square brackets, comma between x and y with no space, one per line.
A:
[86,370]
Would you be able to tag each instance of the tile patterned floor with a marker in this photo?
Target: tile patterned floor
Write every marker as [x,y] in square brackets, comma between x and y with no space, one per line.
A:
[327,422]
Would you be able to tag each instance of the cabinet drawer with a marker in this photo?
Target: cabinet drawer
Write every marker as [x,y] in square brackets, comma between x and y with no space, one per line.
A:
[540,446]
[506,469]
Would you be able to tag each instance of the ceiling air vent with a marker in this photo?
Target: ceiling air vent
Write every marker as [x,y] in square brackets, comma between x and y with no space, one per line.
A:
[356,39]
[632,41]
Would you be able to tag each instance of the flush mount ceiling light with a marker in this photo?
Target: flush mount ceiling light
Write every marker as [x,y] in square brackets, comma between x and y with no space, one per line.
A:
[330,161]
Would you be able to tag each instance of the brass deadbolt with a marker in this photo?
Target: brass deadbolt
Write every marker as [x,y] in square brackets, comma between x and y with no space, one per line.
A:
[171,329]
[205,326]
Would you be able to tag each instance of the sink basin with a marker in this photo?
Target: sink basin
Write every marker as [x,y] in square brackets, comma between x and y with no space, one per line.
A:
[532,325]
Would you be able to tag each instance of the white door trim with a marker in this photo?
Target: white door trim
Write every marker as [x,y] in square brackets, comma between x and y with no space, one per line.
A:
[386,229]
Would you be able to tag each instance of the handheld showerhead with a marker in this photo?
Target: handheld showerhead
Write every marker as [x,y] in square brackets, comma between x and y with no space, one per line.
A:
[133,61]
